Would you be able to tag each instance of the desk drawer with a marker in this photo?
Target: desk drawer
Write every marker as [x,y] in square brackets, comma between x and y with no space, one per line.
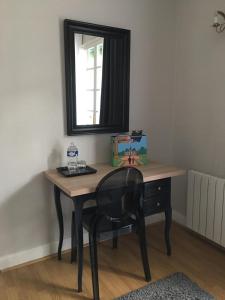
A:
[157,187]
[156,196]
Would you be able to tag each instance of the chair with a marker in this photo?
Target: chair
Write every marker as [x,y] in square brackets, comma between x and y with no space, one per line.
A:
[119,205]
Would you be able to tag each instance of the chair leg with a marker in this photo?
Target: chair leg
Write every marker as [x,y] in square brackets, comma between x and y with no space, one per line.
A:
[115,240]
[168,222]
[144,253]
[115,236]
[94,264]
[73,240]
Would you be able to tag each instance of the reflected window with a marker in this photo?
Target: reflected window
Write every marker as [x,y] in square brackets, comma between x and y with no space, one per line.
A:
[89,58]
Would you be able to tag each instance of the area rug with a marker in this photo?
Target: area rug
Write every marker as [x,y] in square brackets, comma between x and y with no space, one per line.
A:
[175,287]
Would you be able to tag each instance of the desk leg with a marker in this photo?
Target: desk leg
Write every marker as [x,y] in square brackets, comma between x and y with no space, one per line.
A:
[78,205]
[60,219]
[168,222]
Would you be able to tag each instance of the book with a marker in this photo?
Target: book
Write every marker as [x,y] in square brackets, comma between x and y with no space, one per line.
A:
[129,150]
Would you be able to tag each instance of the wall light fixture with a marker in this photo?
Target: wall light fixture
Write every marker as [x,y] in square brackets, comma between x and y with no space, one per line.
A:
[217,24]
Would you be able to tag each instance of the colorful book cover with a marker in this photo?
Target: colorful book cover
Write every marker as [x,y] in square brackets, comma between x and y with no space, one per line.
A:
[129,150]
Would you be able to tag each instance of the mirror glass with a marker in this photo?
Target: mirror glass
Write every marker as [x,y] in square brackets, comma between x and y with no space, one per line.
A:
[88,67]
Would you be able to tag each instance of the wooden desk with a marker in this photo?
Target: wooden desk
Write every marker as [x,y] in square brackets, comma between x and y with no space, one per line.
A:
[82,188]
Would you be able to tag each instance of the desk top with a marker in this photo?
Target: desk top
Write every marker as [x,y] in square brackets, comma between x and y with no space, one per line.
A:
[80,185]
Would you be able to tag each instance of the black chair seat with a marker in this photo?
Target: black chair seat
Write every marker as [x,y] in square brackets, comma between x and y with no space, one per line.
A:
[104,224]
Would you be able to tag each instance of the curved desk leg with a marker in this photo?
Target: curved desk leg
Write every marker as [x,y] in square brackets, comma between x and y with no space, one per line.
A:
[78,205]
[73,239]
[168,222]
[60,220]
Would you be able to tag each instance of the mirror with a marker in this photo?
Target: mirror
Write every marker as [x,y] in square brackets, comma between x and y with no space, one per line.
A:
[97,60]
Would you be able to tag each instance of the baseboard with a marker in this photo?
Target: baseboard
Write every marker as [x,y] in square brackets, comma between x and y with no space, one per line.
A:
[12,260]
[179,218]
[33,254]
[22,257]
[154,219]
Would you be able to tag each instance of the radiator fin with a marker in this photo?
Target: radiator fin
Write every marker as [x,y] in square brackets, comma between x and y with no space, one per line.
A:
[196,202]
[211,208]
[191,184]
[223,223]
[203,207]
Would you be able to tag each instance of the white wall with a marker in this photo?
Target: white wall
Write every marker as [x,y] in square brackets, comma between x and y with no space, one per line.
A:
[199,104]
[32,102]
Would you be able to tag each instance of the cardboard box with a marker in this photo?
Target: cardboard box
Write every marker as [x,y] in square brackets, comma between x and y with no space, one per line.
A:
[128,150]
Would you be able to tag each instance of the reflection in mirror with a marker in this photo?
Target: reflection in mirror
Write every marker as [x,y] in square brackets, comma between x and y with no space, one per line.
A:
[89,61]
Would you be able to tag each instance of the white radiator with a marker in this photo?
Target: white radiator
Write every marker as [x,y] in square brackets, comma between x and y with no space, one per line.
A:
[206,206]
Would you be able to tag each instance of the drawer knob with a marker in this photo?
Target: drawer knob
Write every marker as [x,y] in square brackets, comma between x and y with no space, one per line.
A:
[159,188]
[158,204]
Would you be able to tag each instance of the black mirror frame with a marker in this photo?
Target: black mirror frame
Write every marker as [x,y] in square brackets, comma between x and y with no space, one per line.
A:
[71,27]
